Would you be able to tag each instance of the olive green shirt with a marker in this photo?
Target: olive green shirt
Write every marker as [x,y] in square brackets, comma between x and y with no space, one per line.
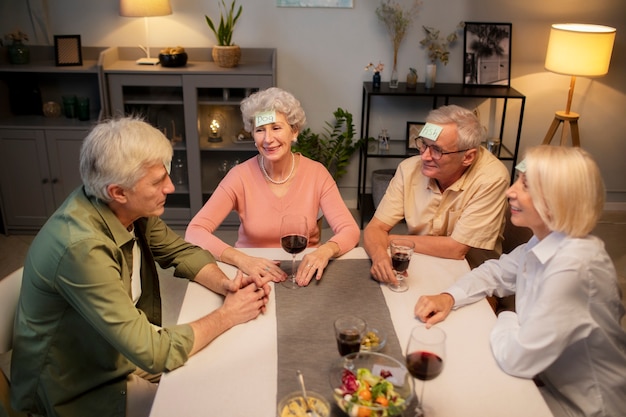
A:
[78,334]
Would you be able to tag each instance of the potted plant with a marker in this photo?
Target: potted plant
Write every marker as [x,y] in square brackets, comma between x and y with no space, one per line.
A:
[397,21]
[437,50]
[226,54]
[335,147]
[18,52]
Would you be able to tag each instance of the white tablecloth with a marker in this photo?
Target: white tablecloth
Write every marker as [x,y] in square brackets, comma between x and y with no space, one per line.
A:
[236,375]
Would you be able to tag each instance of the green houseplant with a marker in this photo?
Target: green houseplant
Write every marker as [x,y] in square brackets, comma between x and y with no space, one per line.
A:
[334,147]
[225,53]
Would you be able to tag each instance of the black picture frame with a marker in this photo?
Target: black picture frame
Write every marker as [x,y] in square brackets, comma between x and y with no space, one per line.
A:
[67,50]
[487,54]
[413,130]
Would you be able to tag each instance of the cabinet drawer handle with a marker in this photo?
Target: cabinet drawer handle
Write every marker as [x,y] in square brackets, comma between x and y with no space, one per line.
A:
[44,181]
[55,180]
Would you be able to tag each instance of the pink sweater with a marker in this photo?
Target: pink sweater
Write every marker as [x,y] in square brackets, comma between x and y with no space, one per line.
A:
[244,190]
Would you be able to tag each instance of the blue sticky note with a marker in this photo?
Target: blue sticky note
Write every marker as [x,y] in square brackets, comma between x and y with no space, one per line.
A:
[264,118]
[431,131]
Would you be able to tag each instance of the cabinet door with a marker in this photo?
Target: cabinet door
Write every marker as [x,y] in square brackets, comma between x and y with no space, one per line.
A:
[63,156]
[25,178]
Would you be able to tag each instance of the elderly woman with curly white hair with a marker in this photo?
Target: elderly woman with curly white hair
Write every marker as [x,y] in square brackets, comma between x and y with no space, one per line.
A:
[270,185]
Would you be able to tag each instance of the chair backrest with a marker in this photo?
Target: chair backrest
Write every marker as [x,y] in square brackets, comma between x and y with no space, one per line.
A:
[9,293]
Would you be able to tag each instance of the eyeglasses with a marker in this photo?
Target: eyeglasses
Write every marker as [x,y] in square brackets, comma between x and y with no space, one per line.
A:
[435,152]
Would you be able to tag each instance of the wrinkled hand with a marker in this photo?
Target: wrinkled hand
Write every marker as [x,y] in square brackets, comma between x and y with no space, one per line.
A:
[245,301]
[382,270]
[312,265]
[432,309]
[263,270]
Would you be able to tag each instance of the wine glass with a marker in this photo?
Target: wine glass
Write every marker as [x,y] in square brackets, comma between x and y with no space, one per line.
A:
[401,252]
[294,237]
[425,355]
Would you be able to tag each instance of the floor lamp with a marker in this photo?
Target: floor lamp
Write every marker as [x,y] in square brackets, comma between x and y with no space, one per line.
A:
[576,50]
[145,9]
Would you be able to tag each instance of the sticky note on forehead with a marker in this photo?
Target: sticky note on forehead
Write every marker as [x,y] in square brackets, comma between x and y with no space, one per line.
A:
[264,118]
[521,167]
[431,131]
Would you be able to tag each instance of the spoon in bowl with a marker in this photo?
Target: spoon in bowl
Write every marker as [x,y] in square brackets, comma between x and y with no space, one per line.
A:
[309,411]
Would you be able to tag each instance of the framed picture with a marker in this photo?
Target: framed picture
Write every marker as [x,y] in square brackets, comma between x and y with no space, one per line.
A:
[67,50]
[413,130]
[487,54]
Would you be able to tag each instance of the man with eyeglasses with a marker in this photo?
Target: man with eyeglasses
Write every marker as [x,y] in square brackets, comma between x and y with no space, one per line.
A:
[451,195]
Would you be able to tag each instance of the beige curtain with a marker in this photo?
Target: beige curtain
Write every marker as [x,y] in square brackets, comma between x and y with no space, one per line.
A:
[40,22]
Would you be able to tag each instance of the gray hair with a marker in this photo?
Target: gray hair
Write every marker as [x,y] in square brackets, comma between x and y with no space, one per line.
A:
[276,99]
[118,151]
[469,130]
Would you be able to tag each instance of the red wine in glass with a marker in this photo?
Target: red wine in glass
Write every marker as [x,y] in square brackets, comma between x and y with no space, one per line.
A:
[424,365]
[293,244]
[401,251]
[425,356]
[348,341]
[400,261]
[294,237]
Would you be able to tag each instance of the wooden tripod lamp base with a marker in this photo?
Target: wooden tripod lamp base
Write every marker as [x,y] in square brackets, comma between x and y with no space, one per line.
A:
[570,119]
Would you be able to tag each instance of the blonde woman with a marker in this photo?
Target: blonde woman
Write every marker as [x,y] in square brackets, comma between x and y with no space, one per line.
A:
[566,331]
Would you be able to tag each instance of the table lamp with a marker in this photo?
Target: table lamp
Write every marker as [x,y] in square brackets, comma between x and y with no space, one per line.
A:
[577,50]
[145,9]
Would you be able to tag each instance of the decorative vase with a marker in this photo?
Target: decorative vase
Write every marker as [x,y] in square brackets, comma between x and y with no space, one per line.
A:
[411,80]
[19,53]
[393,82]
[226,56]
[431,75]
[376,80]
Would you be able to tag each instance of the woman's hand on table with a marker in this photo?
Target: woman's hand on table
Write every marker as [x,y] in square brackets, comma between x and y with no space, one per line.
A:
[314,263]
[432,309]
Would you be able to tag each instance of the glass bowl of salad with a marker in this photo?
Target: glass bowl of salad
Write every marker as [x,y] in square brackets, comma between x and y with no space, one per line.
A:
[371,384]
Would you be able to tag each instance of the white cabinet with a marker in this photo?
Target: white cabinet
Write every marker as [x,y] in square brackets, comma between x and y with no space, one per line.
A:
[38,170]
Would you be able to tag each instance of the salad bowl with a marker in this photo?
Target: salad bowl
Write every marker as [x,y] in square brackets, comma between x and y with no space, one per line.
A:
[371,384]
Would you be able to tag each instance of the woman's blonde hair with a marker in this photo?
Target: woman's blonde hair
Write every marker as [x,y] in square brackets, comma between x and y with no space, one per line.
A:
[566,187]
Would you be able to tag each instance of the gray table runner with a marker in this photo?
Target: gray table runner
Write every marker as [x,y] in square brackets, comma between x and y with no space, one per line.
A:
[305,317]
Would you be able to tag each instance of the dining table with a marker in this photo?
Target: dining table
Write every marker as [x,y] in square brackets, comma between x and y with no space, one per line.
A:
[248,369]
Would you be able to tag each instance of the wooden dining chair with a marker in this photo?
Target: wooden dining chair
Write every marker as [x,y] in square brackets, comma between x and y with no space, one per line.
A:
[9,294]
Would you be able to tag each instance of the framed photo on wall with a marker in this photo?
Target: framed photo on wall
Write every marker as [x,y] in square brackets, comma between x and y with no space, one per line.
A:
[487,52]
[413,130]
[67,50]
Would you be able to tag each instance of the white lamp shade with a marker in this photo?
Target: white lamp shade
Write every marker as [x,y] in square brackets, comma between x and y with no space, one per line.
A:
[580,49]
[145,8]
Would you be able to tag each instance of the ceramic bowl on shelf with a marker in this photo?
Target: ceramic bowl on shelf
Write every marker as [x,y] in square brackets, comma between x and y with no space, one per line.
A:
[173,60]
[51,109]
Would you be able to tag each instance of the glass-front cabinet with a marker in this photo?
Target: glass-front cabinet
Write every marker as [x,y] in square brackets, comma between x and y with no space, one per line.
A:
[197,109]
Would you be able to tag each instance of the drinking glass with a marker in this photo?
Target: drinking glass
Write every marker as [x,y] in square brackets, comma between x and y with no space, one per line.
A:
[349,332]
[401,251]
[294,237]
[425,355]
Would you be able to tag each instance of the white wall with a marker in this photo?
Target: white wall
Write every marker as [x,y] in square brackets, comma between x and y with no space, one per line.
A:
[322,53]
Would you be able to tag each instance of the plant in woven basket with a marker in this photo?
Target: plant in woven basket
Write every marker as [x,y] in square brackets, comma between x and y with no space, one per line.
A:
[228,19]
[335,147]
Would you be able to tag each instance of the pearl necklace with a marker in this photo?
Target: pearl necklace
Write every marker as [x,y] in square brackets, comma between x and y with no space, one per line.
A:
[293,166]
